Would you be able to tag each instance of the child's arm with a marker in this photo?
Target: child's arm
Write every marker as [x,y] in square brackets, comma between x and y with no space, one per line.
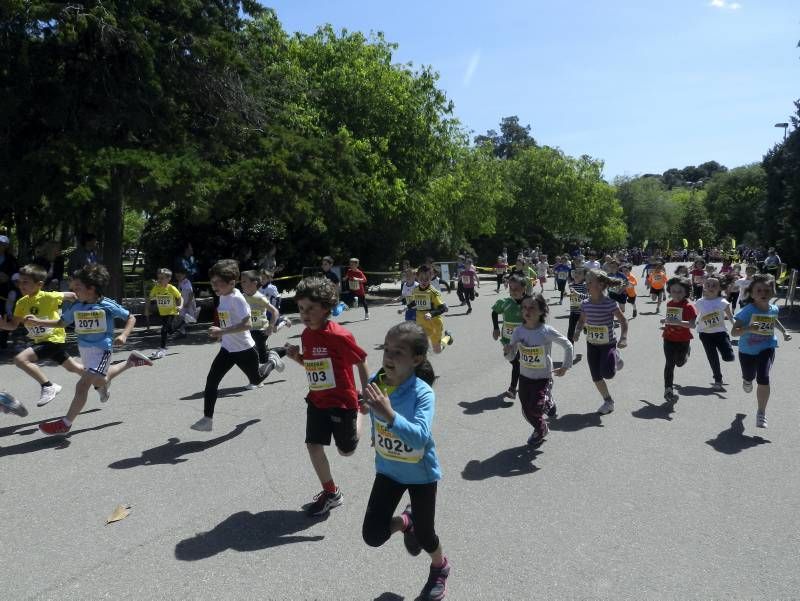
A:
[411,305]
[11,324]
[293,352]
[126,331]
[416,431]
[563,342]
[623,328]
[363,374]
[273,316]
[738,328]
[495,326]
[786,336]
[47,323]
[69,296]
[579,327]
[242,326]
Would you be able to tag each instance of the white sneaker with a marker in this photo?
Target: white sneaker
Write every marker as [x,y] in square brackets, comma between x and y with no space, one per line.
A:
[283,323]
[252,386]
[159,354]
[747,385]
[137,359]
[606,408]
[618,362]
[761,420]
[48,394]
[277,361]
[104,392]
[189,318]
[203,424]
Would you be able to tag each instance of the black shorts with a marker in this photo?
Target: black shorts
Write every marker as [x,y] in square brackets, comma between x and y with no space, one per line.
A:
[341,423]
[620,298]
[54,351]
[631,300]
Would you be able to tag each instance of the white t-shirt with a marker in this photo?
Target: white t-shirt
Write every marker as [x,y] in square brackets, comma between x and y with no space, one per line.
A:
[711,315]
[742,284]
[232,310]
[187,292]
[541,269]
[592,264]
[408,289]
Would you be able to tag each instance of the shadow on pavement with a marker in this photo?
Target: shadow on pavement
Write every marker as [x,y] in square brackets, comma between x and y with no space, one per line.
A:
[233,391]
[49,442]
[652,411]
[572,422]
[508,462]
[173,451]
[14,429]
[698,391]
[388,597]
[733,440]
[245,531]
[488,403]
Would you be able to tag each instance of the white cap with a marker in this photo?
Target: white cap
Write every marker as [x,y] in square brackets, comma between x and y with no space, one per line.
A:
[4,240]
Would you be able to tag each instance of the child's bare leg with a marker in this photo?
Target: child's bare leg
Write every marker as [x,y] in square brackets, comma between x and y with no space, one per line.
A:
[762,396]
[73,365]
[602,387]
[26,361]
[81,394]
[320,462]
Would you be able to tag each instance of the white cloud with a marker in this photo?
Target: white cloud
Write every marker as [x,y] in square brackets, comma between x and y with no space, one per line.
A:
[724,4]
[471,67]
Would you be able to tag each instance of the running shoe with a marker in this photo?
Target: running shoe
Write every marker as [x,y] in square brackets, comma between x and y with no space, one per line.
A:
[606,408]
[552,409]
[159,354]
[717,387]
[276,360]
[747,385]
[252,386]
[137,359]
[409,536]
[323,502]
[619,363]
[670,396]
[452,340]
[55,427]
[511,393]
[104,392]
[204,424]
[537,438]
[761,419]
[436,587]
[8,404]
[48,394]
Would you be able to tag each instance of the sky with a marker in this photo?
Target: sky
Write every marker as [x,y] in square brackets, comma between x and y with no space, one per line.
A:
[644,85]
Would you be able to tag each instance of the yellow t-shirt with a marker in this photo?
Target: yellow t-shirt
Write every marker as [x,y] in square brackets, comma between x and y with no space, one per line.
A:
[166,298]
[44,305]
[258,310]
[425,300]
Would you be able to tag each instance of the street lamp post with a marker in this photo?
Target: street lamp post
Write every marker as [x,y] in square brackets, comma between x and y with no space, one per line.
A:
[785,126]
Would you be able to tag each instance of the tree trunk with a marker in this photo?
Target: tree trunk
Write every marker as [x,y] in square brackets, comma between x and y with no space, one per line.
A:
[112,237]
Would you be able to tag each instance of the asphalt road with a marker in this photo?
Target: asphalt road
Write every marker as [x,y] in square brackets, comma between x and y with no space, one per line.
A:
[640,504]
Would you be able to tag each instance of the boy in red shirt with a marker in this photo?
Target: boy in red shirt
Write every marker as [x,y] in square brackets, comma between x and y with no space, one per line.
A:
[353,283]
[698,274]
[329,354]
[681,317]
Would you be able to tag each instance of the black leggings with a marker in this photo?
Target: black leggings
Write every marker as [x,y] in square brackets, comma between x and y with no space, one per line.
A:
[676,354]
[562,285]
[500,277]
[260,338]
[757,367]
[573,321]
[247,361]
[383,500]
[514,372]
[716,344]
[169,324]
[350,299]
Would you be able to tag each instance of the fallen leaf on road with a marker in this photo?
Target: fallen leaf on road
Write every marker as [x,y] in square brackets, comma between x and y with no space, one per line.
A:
[119,513]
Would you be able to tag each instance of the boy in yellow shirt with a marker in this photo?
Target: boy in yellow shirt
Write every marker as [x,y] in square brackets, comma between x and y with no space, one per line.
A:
[48,343]
[169,301]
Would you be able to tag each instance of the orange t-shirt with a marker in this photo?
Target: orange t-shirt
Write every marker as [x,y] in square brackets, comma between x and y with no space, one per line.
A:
[631,289]
[657,279]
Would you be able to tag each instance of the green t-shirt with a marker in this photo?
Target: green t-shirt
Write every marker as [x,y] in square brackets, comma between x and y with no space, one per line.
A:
[511,311]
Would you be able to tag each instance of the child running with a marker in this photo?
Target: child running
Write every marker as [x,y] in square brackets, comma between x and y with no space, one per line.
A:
[429,306]
[236,343]
[47,343]
[597,315]
[511,310]
[328,356]
[680,319]
[188,312]
[401,403]
[577,294]
[500,269]
[354,281]
[169,302]
[263,317]
[469,281]
[698,275]
[656,280]
[533,341]
[406,291]
[561,273]
[756,324]
[712,311]
[93,316]
[630,289]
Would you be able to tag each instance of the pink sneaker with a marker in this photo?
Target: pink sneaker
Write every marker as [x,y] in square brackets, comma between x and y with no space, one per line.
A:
[137,359]
[56,427]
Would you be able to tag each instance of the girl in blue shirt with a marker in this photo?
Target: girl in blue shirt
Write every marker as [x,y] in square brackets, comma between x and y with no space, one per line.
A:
[756,324]
[401,404]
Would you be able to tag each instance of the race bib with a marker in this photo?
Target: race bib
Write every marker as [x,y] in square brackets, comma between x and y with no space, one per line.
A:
[320,374]
[422,302]
[224,319]
[38,331]
[466,279]
[164,300]
[657,277]
[499,270]
[764,323]
[674,313]
[711,320]
[256,315]
[698,279]
[561,276]
[574,301]
[508,329]
[90,322]
[392,448]
[597,334]
[531,357]
[354,284]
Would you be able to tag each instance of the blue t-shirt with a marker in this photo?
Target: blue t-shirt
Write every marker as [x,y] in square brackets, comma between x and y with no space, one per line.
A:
[94,322]
[753,344]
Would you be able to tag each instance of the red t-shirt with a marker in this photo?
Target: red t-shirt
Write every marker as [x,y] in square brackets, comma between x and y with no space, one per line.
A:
[686,311]
[329,355]
[698,276]
[351,285]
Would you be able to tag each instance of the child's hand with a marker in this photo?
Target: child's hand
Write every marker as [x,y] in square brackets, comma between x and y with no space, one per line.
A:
[215,332]
[787,337]
[623,342]
[560,371]
[120,340]
[378,402]
[576,336]
[428,316]
[293,351]
[29,320]
[399,311]
[496,333]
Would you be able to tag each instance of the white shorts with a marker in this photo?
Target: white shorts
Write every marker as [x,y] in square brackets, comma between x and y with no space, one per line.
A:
[95,360]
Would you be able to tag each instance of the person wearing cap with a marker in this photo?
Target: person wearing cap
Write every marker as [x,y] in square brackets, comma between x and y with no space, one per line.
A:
[8,289]
[85,254]
[772,264]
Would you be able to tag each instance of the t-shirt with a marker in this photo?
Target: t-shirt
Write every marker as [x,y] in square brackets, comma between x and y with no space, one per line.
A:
[751,315]
[468,277]
[94,322]
[329,355]
[577,294]
[232,311]
[331,276]
[500,268]
[166,298]
[354,279]
[407,289]
[258,309]
[631,287]
[679,311]
[425,300]
[542,268]
[619,290]
[711,314]
[187,292]
[741,285]
[272,294]
[657,279]
[561,272]
[511,310]
[44,305]
[698,276]
[599,325]
[534,348]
